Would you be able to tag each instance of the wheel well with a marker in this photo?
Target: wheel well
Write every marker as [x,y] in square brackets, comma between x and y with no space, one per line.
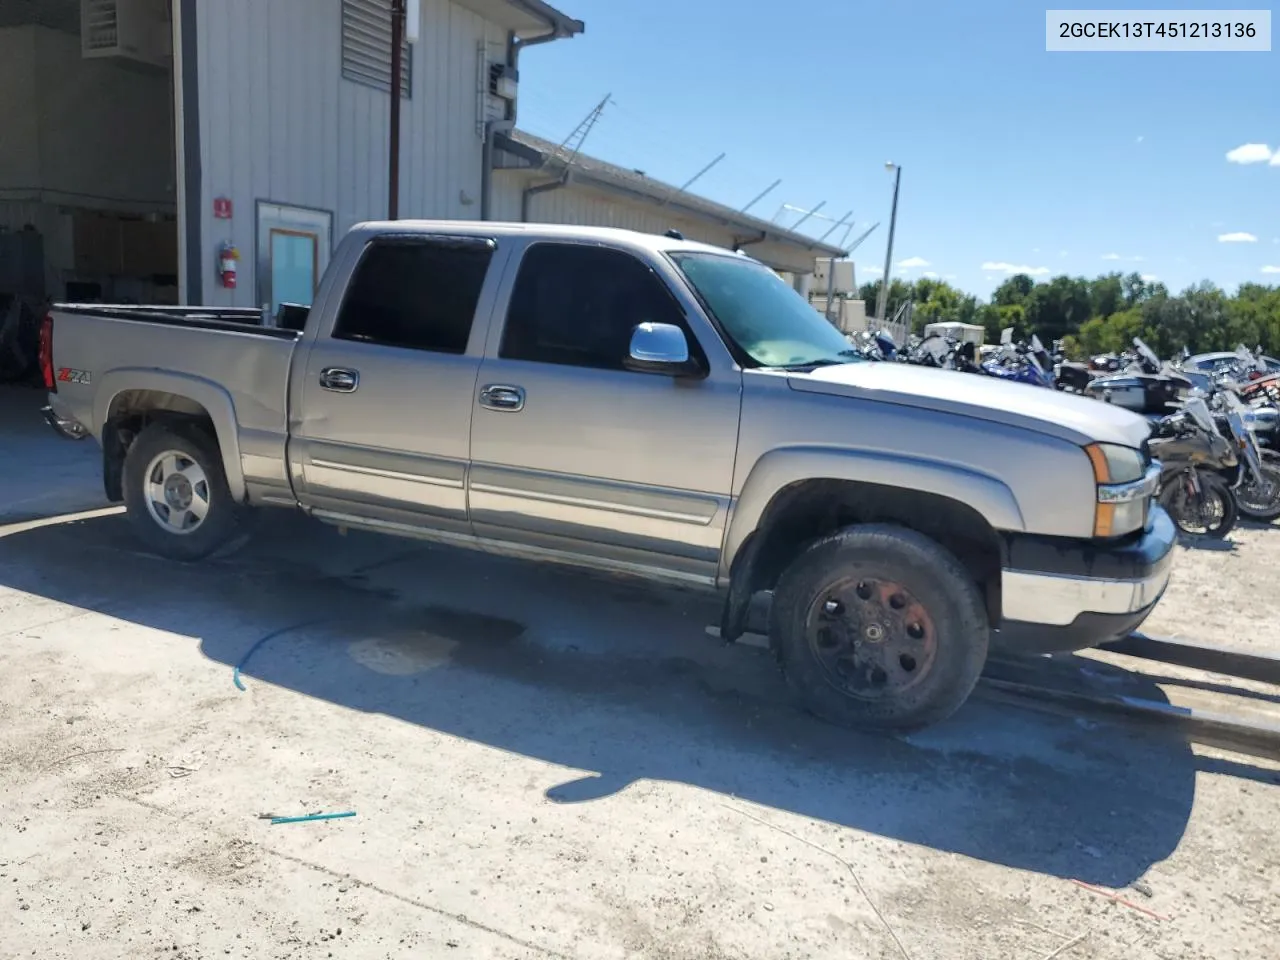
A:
[811,509]
[131,412]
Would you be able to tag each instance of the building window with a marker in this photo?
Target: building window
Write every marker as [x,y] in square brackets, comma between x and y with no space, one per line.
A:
[578,305]
[419,295]
[366,46]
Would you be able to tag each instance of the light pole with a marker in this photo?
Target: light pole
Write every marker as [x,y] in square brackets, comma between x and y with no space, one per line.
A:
[883,299]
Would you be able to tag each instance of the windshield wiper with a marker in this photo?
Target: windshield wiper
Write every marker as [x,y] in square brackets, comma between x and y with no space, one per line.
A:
[838,361]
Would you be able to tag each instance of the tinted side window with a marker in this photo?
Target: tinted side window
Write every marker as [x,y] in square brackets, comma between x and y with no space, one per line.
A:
[418,295]
[576,304]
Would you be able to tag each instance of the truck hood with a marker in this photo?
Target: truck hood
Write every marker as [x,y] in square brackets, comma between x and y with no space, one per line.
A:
[1066,416]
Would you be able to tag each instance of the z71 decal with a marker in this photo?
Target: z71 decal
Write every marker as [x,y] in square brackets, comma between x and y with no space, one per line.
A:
[67,375]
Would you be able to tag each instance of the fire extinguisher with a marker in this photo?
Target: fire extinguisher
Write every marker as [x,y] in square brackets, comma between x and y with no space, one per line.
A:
[228,257]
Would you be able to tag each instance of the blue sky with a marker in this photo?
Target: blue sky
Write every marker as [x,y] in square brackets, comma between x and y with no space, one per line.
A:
[1011,156]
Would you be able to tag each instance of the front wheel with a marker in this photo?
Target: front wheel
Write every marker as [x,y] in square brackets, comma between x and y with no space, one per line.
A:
[176,494]
[878,627]
[1260,500]
[1211,513]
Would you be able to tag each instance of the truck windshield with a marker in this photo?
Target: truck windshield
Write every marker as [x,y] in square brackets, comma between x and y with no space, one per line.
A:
[765,318]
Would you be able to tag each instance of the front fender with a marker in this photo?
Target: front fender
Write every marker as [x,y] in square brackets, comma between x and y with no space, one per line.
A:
[209,395]
[781,467]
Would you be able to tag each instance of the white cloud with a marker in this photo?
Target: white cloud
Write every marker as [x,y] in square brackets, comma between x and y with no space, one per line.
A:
[1149,278]
[1271,269]
[931,275]
[1111,256]
[1251,153]
[872,270]
[950,276]
[913,262]
[1012,268]
[1275,159]
[1238,237]
[988,278]
[1134,259]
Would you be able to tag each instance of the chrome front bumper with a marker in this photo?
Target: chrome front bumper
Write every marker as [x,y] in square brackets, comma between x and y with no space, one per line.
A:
[1060,595]
[1057,600]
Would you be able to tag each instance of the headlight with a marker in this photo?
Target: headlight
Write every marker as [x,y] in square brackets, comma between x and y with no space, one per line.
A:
[1123,490]
[1115,464]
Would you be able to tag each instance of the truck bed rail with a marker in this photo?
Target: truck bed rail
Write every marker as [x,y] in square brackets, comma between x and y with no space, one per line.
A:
[231,319]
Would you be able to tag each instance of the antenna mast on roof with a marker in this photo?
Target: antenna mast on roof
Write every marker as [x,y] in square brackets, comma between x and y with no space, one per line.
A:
[579,134]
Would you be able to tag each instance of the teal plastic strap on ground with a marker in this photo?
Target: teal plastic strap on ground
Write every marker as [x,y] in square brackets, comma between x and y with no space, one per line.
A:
[313,816]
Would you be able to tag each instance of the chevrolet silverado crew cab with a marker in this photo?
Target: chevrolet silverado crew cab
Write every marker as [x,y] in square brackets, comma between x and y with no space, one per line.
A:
[645,405]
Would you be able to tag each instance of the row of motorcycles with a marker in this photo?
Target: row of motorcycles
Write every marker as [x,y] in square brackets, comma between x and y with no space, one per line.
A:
[1215,434]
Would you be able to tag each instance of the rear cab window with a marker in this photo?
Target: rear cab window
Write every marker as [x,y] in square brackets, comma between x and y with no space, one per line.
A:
[415,293]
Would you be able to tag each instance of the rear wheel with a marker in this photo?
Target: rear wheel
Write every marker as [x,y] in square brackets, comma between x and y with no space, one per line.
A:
[176,494]
[879,627]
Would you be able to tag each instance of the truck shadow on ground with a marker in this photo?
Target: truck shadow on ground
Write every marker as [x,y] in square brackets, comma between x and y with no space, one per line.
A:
[621,681]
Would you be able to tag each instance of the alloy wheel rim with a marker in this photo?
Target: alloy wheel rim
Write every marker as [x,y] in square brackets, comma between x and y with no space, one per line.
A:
[176,492]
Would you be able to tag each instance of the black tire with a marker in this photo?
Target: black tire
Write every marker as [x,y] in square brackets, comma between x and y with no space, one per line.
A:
[223,519]
[830,658]
[1176,502]
[1250,499]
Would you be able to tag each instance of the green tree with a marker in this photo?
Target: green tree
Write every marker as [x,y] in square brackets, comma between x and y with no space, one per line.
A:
[1013,291]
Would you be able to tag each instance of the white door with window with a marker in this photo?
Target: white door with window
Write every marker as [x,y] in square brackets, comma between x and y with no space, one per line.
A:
[293,250]
[594,458]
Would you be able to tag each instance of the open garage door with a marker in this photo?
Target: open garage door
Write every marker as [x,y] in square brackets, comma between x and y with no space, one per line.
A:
[88,191]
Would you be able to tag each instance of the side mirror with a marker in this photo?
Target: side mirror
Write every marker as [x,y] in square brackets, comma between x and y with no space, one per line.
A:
[660,348]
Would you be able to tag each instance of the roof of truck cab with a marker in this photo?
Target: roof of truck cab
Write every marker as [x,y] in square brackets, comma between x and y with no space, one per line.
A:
[495,228]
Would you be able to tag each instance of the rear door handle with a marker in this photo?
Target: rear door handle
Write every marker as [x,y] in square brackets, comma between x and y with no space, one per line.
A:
[501,396]
[340,379]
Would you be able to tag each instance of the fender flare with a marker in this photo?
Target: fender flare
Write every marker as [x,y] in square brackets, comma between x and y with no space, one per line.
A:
[209,395]
[783,466]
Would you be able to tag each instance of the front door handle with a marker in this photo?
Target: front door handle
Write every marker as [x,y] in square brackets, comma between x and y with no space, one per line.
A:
[340,379]
[501,396]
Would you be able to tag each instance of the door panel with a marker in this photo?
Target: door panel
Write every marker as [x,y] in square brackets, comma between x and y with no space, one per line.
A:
[387,400]
[398,442]
[598,459]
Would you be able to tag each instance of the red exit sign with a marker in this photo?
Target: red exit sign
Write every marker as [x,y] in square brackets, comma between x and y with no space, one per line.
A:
[222,208]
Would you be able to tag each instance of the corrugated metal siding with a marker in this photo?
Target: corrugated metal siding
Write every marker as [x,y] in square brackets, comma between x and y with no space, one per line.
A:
[577,204]
[278,121]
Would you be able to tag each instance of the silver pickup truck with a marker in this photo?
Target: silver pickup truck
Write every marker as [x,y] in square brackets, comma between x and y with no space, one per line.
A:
[645,405]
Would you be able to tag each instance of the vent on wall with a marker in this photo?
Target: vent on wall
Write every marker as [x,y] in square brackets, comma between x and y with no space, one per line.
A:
[366,46]
[130,29]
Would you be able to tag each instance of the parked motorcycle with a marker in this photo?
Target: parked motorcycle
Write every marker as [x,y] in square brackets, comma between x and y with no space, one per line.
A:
[1143,386]
[1020,362]
[1255,480]
[1192,456]
[1071,376]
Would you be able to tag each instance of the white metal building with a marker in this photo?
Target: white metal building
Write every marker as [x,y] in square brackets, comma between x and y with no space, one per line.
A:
[141,140]
[536,180]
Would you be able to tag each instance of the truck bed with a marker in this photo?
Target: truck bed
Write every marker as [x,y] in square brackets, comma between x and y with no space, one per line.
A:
[105,356]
